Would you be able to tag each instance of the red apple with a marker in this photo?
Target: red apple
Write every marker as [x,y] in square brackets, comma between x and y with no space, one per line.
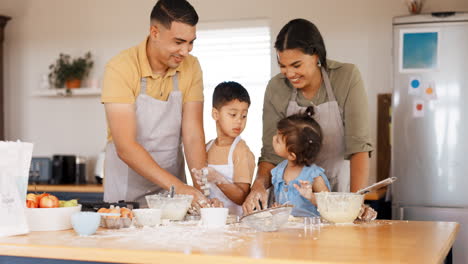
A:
[31,204]
[49,201]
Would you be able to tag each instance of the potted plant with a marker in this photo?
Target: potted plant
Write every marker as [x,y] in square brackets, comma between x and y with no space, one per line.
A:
[70,72]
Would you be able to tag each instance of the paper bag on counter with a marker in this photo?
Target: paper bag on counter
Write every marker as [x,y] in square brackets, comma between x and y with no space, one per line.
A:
[15,159]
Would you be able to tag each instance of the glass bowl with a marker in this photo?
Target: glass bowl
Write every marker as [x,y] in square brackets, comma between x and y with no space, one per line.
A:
[147,217]
[173,208]
[268,220]
[339,207]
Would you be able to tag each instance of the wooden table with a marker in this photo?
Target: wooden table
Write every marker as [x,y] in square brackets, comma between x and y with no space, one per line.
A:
[377,242]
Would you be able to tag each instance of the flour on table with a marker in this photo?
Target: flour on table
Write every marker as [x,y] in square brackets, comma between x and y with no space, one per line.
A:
[180,236]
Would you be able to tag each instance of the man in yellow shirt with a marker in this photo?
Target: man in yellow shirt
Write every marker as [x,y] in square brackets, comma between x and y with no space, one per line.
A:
[153,97]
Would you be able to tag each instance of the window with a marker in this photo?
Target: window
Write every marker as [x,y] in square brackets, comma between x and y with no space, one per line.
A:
[236,51]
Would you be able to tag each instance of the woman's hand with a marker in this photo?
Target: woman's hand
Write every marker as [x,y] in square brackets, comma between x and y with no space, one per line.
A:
[256,200]
[367,213]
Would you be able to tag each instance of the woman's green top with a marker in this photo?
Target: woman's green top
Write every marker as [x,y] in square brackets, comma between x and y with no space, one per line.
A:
[350,94]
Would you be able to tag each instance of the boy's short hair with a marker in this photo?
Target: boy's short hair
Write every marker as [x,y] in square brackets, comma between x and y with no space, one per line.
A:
[167,11]
[226,92]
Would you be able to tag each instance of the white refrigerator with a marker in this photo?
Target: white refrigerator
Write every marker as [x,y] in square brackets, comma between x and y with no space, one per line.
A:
[430,121]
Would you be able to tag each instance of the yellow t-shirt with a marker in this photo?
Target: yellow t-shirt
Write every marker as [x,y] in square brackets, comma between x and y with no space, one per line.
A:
[242,158]
[123,73]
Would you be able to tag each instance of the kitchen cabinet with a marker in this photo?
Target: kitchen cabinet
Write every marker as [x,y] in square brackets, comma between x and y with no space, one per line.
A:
[374,242]
[3,22]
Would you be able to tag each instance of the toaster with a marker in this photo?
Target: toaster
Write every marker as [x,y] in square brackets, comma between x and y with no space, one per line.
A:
[40,171]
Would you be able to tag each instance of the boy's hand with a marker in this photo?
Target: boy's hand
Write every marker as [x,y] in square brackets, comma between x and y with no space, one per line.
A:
[201,181]
[214,202]
[212,176]
[305,189]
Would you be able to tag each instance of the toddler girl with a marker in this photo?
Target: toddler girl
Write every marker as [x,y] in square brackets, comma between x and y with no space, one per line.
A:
[298,140]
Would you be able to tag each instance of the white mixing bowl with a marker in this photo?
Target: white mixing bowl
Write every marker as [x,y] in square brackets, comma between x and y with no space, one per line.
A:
[339,207]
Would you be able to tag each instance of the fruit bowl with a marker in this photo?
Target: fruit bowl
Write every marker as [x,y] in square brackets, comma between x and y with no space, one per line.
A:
[339,207]
[50,219]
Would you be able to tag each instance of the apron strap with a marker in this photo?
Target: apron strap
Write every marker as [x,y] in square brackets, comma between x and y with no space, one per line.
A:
[231,150]
[143,85]
[175,82]
[294,95]
[208,146]
[328,86]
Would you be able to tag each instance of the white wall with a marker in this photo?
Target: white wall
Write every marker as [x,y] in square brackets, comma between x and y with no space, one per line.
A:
[357,31]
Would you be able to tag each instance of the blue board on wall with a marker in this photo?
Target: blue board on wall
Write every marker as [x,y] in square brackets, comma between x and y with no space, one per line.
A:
[420,50]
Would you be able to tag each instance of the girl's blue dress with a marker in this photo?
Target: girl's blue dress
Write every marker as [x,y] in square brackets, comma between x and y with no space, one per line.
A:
[287,192]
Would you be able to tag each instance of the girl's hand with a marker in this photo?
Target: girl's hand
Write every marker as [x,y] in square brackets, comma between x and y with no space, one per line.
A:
[305,189]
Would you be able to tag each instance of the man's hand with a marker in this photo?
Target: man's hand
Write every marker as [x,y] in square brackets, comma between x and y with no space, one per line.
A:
[199,200]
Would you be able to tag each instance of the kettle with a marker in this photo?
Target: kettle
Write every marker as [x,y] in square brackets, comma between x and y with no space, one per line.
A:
[99,168]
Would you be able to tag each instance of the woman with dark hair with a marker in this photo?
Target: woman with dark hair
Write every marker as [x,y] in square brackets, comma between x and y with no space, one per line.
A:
[337,92]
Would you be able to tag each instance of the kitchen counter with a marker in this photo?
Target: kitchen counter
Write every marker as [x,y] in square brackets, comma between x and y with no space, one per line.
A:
[84,188]
[376,242]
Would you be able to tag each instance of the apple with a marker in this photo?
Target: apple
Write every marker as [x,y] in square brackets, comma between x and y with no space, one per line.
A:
[31,204]
[32,197]
[49,201]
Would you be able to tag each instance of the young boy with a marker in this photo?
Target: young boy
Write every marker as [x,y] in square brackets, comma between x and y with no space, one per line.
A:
[231,164]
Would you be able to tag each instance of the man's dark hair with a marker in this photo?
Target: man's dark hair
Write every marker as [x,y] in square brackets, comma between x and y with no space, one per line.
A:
[226,92]
[303,35]
[302,135]
[167,11]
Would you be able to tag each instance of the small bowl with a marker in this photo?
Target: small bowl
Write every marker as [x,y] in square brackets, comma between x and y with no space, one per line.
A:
[173,208]
[147,217]
[339,207]
[214,217]
[268,220]
[85,223]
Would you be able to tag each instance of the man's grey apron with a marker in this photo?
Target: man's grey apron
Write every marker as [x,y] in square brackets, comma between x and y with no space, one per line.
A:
[158,132]
[331,156]
[227,170]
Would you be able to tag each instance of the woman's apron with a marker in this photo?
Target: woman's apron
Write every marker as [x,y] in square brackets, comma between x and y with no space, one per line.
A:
[159,133]
[227,170]
[331,155]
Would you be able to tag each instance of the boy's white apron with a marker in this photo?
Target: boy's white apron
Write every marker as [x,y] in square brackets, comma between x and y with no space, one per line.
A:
[159,132]
[227,170]
[331,156]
